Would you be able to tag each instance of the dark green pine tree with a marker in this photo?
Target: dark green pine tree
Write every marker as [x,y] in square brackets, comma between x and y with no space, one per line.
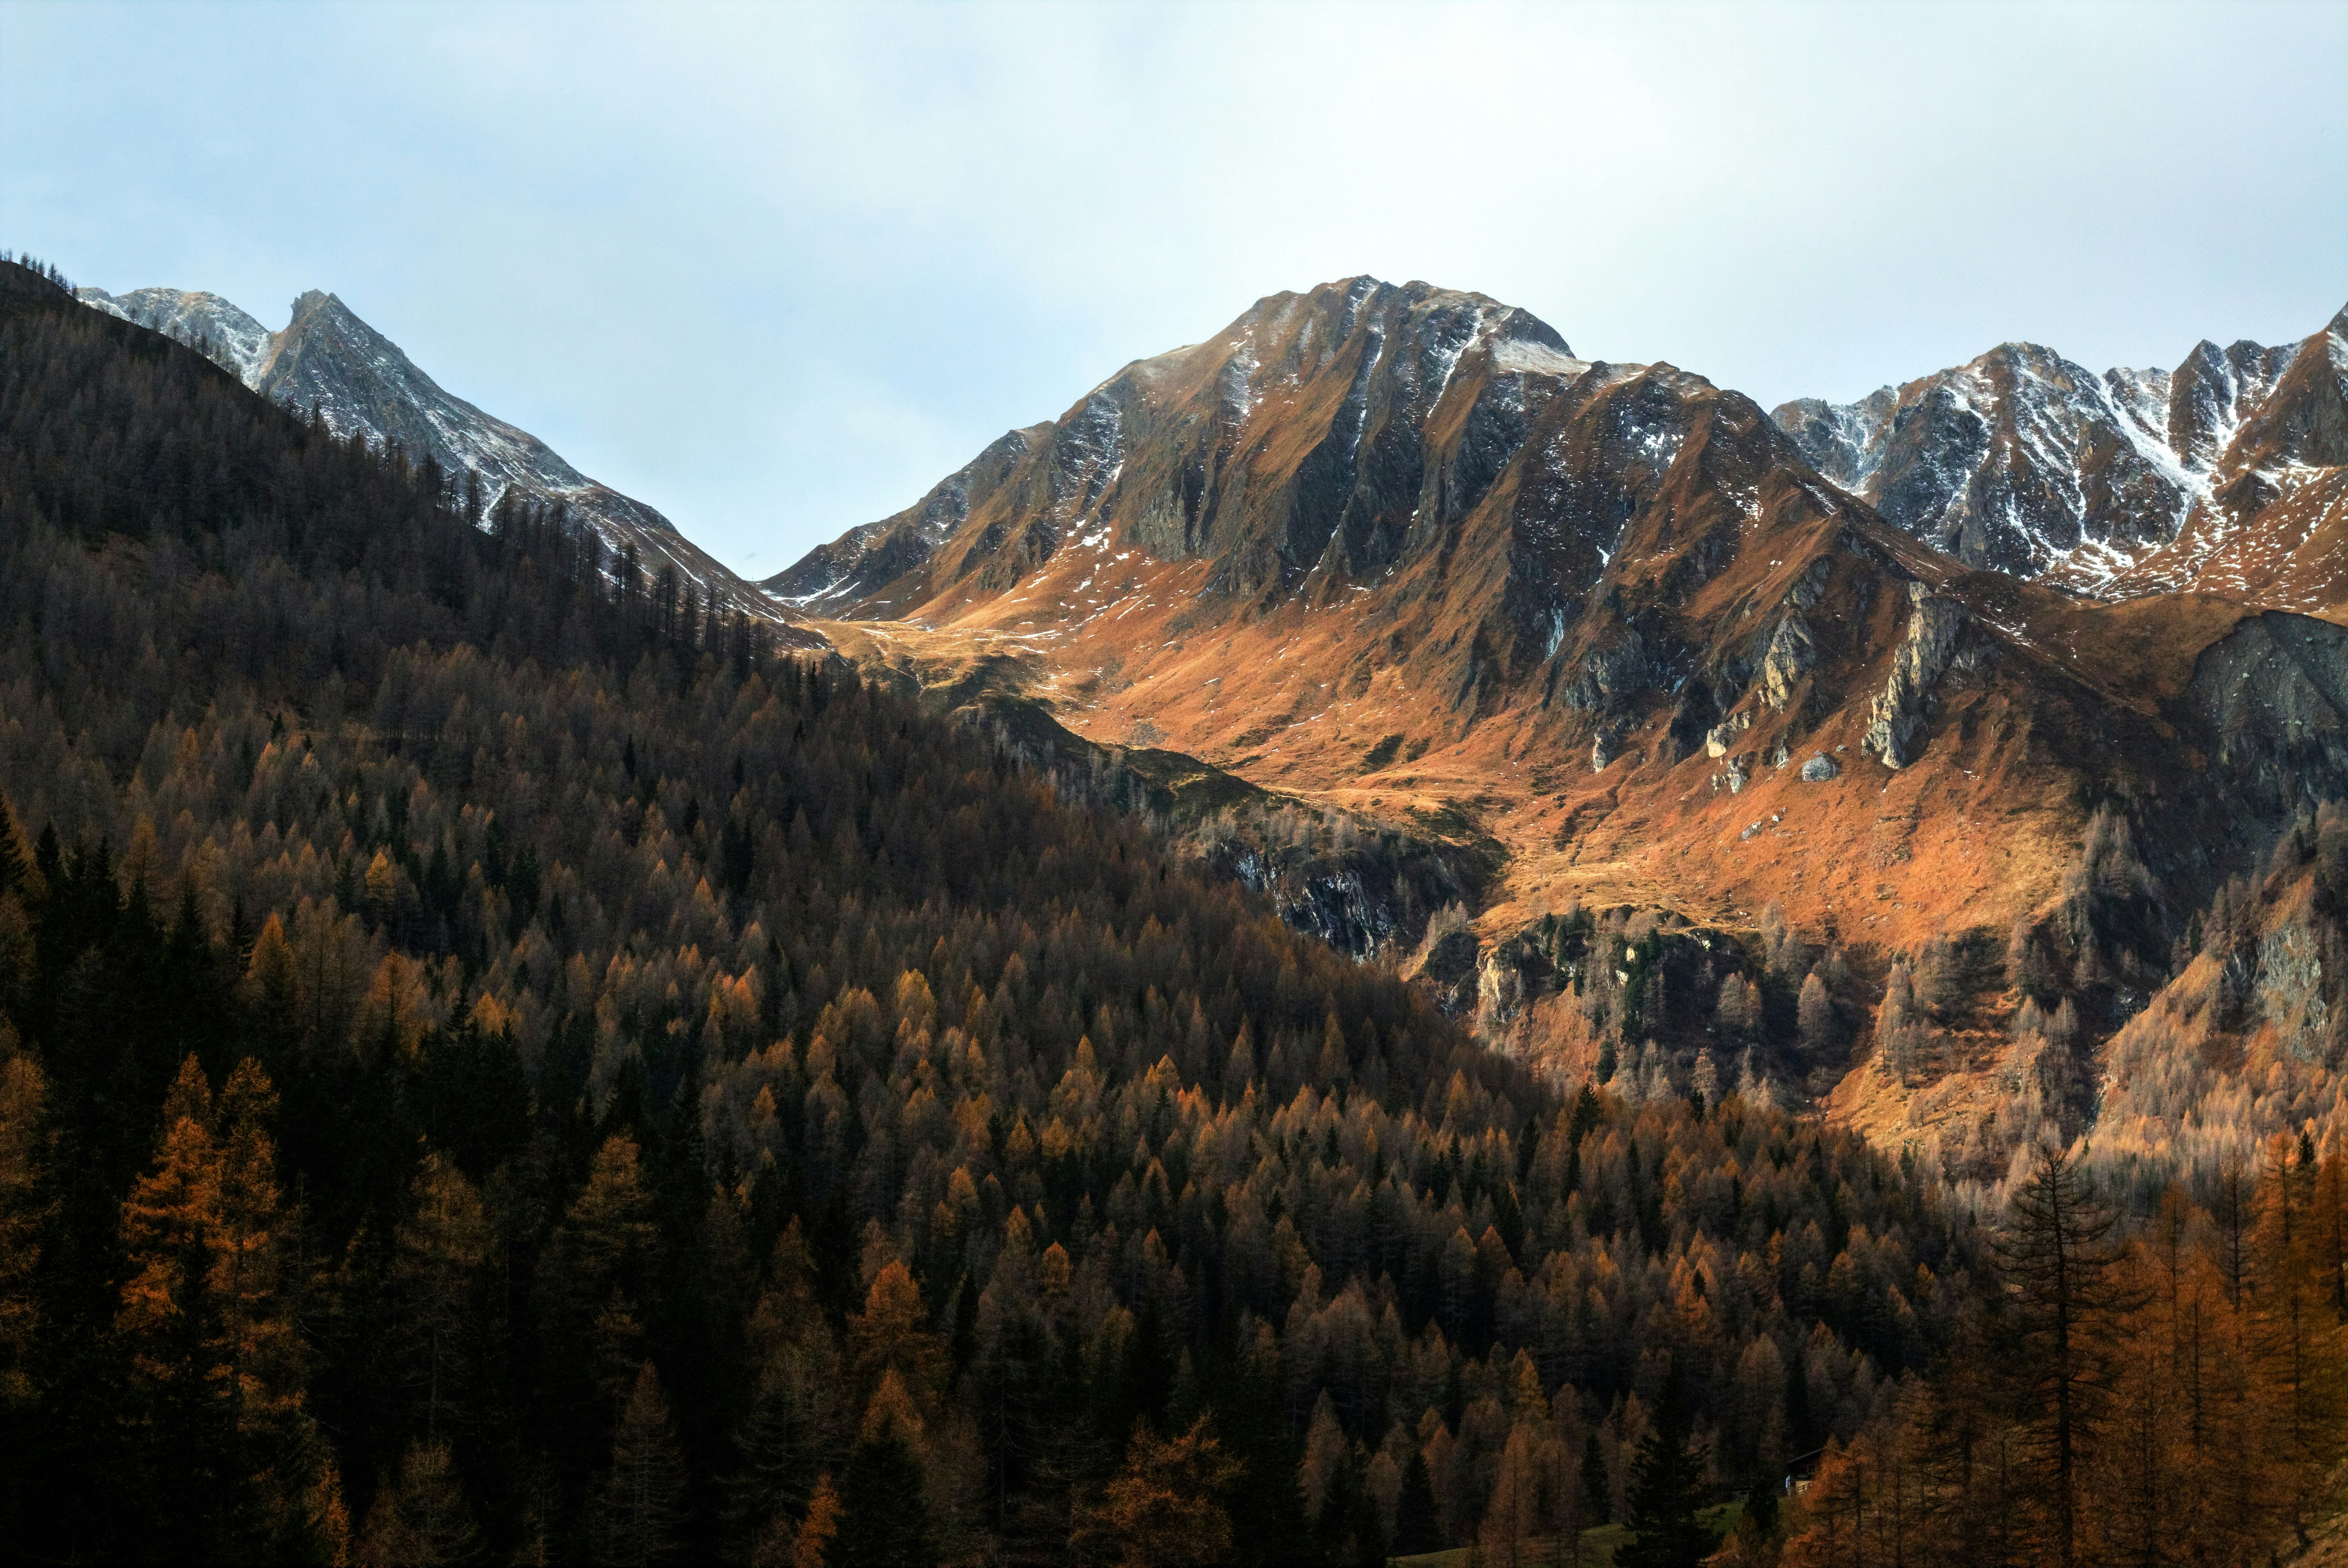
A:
[884,1522]
[1666,1488]
[1416,1528]
[1595,1491]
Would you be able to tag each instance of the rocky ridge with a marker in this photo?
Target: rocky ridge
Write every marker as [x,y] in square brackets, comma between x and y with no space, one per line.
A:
[360,382]
[2221,474]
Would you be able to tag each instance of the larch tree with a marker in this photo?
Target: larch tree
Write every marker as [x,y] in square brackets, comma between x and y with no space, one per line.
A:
[601,1264]
[892,1334]
[420,1519]
[25,1208]
[811,1547]
[1166,1507]
[168,1320]
[2296,1332]
[2059,1256]
[1513,1517]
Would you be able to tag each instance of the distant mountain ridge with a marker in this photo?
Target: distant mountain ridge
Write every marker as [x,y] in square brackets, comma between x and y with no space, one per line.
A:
[326,357]
[2115,485]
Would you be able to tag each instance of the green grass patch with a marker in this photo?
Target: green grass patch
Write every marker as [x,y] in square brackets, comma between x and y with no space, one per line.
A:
[1597,1546]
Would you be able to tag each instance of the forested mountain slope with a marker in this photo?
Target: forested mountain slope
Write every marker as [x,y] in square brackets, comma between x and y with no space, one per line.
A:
[498,1062]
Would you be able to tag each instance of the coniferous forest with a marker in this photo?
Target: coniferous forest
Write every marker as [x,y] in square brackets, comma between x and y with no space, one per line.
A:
[500,1062]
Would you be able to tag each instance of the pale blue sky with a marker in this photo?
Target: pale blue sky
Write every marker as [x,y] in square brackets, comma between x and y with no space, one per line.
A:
[774,269]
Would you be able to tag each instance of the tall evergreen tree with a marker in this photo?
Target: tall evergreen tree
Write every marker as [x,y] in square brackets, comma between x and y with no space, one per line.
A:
[1417,1527]
[884,1517]
[1667,1488]
[1597,1490]
[640,1509]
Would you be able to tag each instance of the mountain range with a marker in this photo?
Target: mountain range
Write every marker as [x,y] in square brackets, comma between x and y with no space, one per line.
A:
[496,1063]
[1396,604]
[2223,474]
[1867,673]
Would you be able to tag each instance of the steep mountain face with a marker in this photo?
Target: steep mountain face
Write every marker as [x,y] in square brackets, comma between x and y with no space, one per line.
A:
[2020,461]
[359,381]
[2129,482]
[2271,527]
[1396,553]
[1298,444]
[866,559]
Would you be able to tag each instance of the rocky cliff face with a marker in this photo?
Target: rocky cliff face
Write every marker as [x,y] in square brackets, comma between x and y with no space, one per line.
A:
[361,382]
[1314,439]
[2271,525]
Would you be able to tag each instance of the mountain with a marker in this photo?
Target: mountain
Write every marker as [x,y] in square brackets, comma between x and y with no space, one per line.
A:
[397,910]
[1395,554]
[2272,526]
[2219,475]
[361,382]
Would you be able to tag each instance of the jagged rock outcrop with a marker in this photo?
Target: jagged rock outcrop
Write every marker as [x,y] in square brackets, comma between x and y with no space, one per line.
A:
[1898,715]
[2270,527]
[1791,652]
[2018,460]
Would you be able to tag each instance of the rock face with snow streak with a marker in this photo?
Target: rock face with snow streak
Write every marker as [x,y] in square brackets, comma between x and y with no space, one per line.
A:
[867,558]
[361,382]
[2216,475]
[2019,461]
[2271,527]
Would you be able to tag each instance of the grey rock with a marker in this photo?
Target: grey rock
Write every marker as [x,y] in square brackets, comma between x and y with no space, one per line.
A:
[1819,769]
[1722,735]
[2273,697]
[1791,653]
[362,383]
[1897,719]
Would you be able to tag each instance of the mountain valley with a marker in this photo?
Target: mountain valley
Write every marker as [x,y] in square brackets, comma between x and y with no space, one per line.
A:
[1625,648]
[1386,938]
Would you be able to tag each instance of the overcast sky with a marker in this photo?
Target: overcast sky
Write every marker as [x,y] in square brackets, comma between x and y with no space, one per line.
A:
[776,270]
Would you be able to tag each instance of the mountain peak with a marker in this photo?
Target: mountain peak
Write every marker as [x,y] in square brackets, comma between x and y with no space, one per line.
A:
[1316,435]
[328,357]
